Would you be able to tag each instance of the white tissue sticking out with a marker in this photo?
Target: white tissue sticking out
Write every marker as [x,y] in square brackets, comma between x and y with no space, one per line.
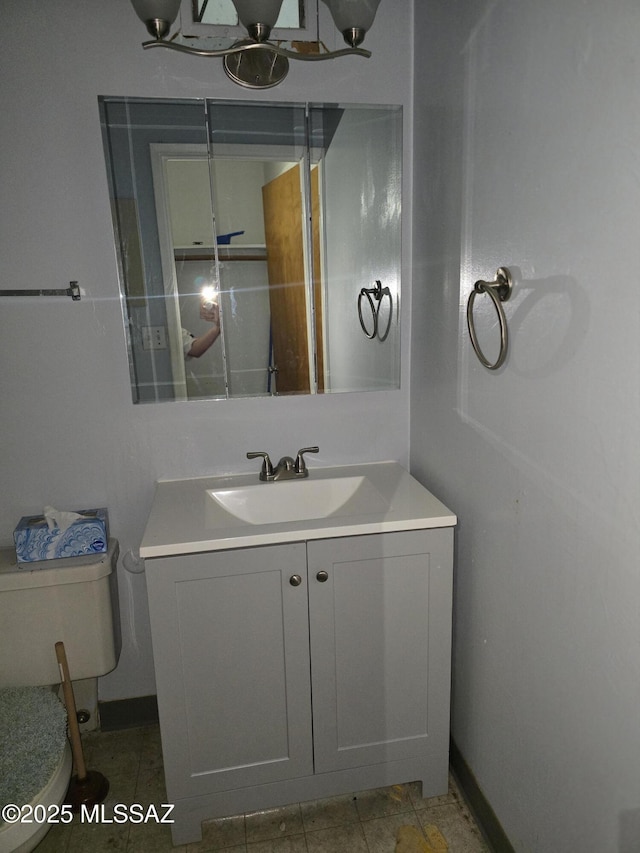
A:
[59,519]
[133,563]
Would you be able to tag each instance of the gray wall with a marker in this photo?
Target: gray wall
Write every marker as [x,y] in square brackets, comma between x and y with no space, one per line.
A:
[527,140]
[70,435]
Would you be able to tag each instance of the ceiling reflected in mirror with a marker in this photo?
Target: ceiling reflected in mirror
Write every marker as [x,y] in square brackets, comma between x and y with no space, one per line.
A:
[224,13]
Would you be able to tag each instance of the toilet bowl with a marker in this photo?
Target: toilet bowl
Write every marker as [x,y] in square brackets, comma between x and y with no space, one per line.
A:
[73,601]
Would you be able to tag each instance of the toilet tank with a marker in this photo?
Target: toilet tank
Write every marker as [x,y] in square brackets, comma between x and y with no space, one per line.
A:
[72,600]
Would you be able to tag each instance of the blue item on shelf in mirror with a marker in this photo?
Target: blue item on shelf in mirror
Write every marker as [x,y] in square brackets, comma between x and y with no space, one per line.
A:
[225,239]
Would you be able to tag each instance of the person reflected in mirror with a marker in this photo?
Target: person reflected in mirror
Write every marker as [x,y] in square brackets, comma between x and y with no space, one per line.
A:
[194,346]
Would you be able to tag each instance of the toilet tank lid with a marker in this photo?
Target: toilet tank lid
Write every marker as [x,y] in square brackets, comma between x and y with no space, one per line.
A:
[53,572]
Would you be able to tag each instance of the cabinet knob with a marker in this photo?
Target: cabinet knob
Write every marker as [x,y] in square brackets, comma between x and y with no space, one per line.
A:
[322,576]
[295,580]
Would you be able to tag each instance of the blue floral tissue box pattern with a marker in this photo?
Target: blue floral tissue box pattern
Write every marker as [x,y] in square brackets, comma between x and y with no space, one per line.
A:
[86,535]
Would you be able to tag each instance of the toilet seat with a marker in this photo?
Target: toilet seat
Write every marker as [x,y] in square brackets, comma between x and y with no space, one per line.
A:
[23,838]
[36,758]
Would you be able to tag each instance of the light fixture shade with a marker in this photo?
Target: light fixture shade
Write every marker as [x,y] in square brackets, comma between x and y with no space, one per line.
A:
[353,14]
[252,12]
[156,10]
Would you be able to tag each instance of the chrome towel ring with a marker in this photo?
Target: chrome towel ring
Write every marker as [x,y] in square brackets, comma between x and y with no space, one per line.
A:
[499,291]
[370,294]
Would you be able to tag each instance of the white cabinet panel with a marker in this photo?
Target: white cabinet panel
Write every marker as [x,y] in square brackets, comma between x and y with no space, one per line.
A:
[375,623]
[231,646]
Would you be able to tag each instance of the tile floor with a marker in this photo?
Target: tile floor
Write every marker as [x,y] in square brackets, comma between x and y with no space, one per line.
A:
[363,822]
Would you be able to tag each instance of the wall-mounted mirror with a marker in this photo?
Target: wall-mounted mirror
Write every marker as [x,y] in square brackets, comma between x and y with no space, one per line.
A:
[246,233]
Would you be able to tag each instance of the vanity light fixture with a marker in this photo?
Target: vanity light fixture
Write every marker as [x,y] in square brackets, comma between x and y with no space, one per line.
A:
[256,62]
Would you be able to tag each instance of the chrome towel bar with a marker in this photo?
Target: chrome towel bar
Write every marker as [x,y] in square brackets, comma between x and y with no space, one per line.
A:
[499,291]
[73,291]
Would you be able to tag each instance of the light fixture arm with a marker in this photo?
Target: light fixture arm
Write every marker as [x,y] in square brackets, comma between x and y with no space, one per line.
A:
[244,48]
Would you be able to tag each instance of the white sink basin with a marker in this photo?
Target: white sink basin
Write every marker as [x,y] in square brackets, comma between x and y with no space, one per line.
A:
[299,500]
[237,510]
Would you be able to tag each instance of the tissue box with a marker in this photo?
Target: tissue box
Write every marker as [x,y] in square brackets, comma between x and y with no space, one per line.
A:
[87,535]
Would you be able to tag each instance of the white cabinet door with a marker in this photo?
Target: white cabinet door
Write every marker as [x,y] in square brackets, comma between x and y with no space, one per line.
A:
[380,630]
[231,651]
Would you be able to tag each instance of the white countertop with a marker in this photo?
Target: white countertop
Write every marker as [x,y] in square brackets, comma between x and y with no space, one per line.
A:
[182,522]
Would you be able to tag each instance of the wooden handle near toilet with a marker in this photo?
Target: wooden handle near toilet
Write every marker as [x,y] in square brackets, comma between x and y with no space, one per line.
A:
[70,703]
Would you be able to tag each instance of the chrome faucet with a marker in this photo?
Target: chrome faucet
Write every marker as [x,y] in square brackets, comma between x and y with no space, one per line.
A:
[286,469]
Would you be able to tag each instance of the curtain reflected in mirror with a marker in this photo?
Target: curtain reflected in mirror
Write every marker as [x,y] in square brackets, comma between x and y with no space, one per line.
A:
[244,234]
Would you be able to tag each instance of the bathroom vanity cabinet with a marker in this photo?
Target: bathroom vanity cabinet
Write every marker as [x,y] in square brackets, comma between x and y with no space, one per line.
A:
[301,669]
[296,671]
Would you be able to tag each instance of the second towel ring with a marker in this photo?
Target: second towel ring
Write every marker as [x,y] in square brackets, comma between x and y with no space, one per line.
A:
[371,293]
[499,291]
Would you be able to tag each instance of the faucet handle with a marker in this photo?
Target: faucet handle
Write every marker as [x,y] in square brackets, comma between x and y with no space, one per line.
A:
[301,468]
[267,468]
